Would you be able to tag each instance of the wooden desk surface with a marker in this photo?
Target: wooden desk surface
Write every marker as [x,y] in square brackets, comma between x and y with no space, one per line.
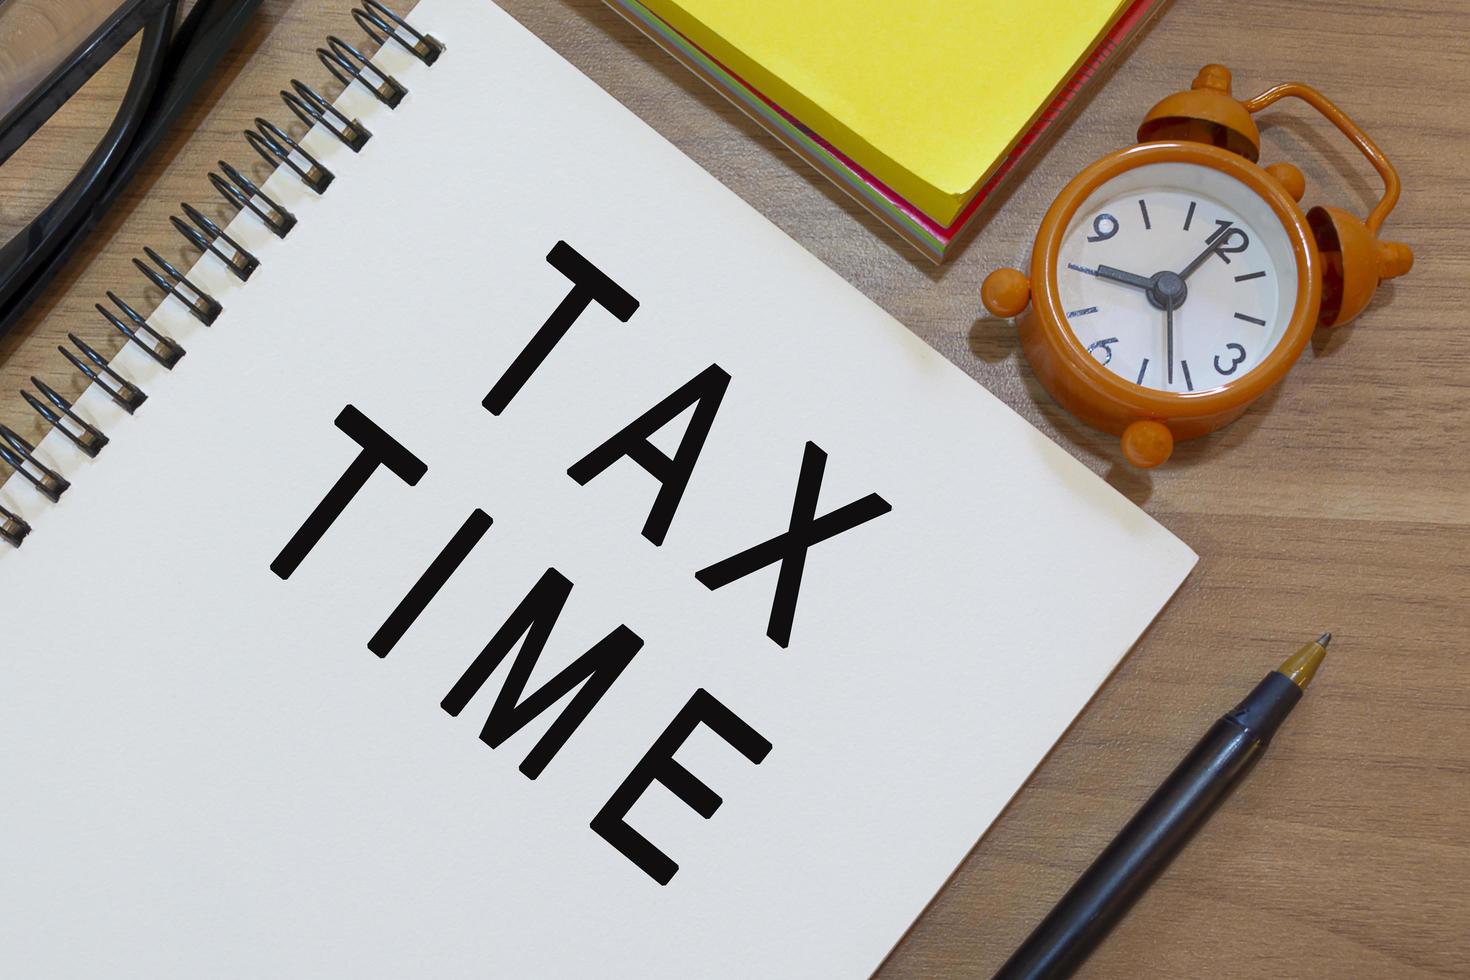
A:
[1340,504]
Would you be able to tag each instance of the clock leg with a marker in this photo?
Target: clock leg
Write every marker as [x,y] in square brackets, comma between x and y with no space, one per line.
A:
[1006,292]
[1147,443]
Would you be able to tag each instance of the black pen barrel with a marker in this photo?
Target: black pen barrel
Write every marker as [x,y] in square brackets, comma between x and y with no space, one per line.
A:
[1157,832]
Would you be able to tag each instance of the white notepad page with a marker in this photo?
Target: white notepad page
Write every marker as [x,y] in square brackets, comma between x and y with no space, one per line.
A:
[208,773]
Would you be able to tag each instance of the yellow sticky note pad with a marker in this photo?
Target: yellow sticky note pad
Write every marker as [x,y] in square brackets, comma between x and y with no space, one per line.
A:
[926,95]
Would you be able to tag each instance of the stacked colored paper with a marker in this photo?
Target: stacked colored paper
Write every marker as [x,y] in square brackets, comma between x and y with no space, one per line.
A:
[918,110]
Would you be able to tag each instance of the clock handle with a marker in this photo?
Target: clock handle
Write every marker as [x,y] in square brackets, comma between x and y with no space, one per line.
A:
[1351,130]
[1355,260]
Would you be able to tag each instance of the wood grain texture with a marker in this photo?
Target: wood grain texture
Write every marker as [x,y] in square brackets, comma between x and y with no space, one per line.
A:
[1339,503]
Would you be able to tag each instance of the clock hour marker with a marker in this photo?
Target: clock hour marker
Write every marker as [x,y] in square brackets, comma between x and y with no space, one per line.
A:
[1188,381]
[1142,371]
[1106,346]
[1189,215]
[1104,226]
[1237,354]
[1143,206]
[1250,275]
[1250,319]
[1073,314]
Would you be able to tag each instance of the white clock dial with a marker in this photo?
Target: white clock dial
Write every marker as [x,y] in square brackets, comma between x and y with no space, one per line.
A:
[1134,258]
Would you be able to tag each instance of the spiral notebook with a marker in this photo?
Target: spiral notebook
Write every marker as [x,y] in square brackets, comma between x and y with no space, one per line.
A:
[492,589]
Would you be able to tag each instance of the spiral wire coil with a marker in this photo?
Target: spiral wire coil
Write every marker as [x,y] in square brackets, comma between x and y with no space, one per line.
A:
[347,64]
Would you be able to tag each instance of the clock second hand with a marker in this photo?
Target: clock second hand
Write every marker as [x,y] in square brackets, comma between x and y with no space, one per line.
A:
[1169,330]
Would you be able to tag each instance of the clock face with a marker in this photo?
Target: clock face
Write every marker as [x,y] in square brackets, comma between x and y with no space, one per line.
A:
[1177,277]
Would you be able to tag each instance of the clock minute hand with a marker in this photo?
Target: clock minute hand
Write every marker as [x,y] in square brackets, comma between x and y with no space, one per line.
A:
[1126,278]
[1215,241]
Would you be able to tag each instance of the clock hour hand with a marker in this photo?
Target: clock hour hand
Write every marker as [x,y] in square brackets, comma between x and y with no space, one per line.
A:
[1126,278]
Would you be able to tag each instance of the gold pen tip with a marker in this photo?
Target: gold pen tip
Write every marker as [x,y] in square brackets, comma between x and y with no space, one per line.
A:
[1302,666]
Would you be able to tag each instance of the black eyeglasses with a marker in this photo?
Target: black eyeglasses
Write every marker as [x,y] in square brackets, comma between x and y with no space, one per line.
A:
[51,48]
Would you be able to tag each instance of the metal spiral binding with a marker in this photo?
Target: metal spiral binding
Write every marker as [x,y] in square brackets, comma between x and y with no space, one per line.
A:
[274,146]
[13,529]
[164,350]
[312,109]
[346,64]
[241,191]
[234,255]
[382,24]
[83,434]
[204,306]
[21,455]
[128,396]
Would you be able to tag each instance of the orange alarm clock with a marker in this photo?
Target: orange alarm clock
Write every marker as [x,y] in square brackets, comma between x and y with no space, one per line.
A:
[1176,281]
